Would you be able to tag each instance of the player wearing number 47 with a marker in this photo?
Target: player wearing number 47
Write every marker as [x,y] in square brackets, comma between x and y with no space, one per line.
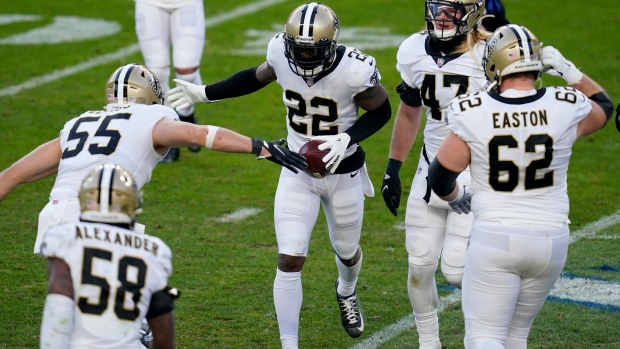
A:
[517,141]
[105,278]
[134,131]
[324,85]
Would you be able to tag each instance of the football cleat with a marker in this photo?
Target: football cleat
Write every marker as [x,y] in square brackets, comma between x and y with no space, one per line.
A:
[171,156]
[351,313]
[191,118]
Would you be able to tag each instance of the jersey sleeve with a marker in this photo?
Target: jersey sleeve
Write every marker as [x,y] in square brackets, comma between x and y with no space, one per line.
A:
[275,49]
[362,72]
[456,121]
[57,241]
[583,106]
[406,56]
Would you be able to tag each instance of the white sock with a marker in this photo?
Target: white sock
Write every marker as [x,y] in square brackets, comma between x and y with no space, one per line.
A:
[287,297]
[347,276]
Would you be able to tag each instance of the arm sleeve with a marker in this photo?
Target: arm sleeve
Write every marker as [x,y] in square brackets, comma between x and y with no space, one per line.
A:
[239,84]
[370,122]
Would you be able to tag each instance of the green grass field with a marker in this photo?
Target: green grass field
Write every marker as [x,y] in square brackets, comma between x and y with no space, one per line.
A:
[226,269]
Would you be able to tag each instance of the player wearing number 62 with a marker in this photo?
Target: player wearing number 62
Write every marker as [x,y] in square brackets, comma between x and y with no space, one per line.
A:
[517,141]
[135,131]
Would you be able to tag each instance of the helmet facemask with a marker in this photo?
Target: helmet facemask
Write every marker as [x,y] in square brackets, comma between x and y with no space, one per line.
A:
[310,43]
[447,19]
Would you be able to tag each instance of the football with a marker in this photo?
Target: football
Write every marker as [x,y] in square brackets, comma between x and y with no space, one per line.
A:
[314,158]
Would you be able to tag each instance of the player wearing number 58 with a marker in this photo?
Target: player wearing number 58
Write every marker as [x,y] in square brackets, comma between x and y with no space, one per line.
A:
[323,86]
[105,278]
[134,131]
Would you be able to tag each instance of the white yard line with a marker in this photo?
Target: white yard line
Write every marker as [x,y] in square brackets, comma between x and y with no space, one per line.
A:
[575,289]
[242,10]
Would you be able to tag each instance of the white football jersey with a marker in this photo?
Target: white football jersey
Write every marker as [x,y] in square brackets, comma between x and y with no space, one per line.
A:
[324,105]
[439,78]
[123,137]
[520,148]
[115,272]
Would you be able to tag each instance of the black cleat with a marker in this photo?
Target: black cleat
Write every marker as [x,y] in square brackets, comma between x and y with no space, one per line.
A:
[351,313]
[171,156]
[192,120]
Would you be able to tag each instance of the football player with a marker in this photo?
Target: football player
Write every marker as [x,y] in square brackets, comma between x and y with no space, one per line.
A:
[104,278]
[436,65]
[159,24]
[324,84]
[135,131]
[517,141]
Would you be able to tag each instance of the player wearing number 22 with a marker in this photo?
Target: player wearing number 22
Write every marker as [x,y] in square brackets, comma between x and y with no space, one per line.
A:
[517,141]
[323,86]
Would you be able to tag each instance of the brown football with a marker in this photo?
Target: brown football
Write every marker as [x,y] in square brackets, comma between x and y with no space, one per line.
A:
[314,158]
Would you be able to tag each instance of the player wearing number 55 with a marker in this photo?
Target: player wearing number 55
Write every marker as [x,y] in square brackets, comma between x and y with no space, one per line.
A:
[323,86]
[105,278]
[135,131]
[517,141]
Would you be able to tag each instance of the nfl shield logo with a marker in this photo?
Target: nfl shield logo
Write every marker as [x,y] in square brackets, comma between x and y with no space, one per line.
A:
[309,82]
[440,62]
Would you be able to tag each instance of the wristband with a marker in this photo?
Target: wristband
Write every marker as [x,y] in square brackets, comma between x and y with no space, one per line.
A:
[211,136]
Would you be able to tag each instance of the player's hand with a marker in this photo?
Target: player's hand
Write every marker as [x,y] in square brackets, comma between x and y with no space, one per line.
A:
[283,156]
[462,203]
[555,64]
[186,94]
[338,145]
[390,187]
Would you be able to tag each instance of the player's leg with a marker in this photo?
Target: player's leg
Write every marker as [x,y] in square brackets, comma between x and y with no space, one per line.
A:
[424,238]
[296,209]
[343,204]
[153,31]
[543,261]
[188,39]
[490,288]
[458,230]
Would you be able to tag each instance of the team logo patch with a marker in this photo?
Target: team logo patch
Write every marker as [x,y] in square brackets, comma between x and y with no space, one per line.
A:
[374,79]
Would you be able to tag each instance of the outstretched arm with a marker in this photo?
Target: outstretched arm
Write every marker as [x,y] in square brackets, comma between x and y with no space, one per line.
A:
[38,164]
[239,84]
[173,134]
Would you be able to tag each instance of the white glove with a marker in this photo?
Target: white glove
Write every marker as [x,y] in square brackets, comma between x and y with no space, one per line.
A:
[462,203]
[186,94]
[338,145]
[555,64]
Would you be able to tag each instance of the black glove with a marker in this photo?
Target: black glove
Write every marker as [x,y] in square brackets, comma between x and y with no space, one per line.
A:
[279,154]
[390,188]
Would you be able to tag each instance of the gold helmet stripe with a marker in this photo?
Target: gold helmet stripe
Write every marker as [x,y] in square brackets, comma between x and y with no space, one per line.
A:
[307,19]
[523,36]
